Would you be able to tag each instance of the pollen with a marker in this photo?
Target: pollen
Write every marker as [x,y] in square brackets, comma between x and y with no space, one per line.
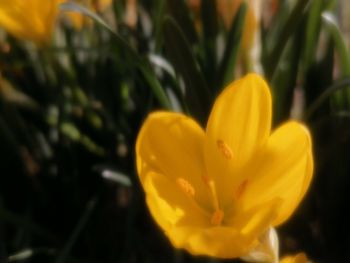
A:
[217,217]
[241,189]
[185,186]
[224,149]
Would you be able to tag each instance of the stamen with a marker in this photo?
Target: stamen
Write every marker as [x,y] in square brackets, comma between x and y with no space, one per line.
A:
[217,217]
[185,186]
[241,189]
[225,149]
[206,180]
[211,185]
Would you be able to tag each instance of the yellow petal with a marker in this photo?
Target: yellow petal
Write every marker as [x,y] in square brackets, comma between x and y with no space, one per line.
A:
[169,206]
[299,258]
[188,226]
[256,220]
[172,144]
[284,170]
[238,126]
[234,239]
[221,242]
[226,241]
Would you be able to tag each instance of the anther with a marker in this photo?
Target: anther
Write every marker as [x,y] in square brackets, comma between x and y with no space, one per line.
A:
[241,189]
[217,217]
[225,149]
[185,186]
[206,180]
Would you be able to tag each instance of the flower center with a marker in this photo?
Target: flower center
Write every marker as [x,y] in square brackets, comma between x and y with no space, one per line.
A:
[185,186]
[217,217]
[224,149]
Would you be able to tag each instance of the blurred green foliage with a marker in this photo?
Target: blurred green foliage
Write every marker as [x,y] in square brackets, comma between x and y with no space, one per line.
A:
[70,113]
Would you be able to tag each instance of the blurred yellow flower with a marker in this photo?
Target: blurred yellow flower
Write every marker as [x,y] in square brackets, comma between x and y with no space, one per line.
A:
[29,19]
[130,16]
[299,258]
[215,192]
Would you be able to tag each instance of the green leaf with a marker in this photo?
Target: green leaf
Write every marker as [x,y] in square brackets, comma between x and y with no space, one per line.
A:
[161,63]
[332,27]
[285,81]
[158,17]
[319,77]
[181,14]
[228,63]
[73,7]
[341,99]
[91,145]
[64,254]
[139,62]
[209,19]
[337,86]
[288,30]
[312,32]
[74,134]
[21,221]
[210,32]
[180,55]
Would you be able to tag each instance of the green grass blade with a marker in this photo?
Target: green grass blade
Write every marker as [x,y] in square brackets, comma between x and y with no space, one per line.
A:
[342,98]
[210,32]
[337,86]
[288,30]
[139,62]
[180,55]
[64,254]
[285,81]
[180,12]
[228,63]
[332,27]
[20,221]
[312,32]
[158,17]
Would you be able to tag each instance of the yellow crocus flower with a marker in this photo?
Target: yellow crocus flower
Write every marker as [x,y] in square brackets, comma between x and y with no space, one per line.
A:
[299,258]
[29,19]
[216,191]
